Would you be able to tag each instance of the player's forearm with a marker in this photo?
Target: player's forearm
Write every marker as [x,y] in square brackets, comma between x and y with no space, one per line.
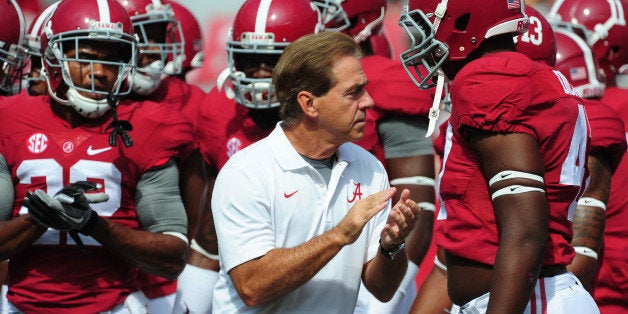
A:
[18,233]
[588,231]
[418,242]
[193,187]
[160,254]
[432,297]
[282,270]
[590,218]
[383,275]
[416,173]
[517,265]
[206,231]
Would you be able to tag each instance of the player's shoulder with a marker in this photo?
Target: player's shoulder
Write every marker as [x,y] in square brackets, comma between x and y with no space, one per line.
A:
[174,82]
[501,68]
[617,98]
[19,102]
[21,107]
[254,158]
[509,79]
[154,120]
[599,110]
[150,112]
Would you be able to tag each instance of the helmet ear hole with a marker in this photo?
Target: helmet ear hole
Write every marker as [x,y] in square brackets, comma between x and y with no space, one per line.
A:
[462,22]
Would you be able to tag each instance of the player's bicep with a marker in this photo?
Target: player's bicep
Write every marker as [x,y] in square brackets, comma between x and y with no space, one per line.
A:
[513,168]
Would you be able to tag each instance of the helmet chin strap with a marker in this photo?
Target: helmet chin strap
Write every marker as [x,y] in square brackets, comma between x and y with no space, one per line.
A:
[147,79]
[621,80]
[119,127]
[435,109]
[85,106]
[439,13]
[220,83]
[368,29]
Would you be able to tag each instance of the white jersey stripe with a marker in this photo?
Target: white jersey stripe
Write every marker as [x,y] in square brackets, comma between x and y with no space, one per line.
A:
[103,11]
[262,16]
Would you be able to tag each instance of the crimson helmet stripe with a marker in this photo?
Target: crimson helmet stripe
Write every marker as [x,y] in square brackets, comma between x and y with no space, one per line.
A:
[262,16]
[103,11]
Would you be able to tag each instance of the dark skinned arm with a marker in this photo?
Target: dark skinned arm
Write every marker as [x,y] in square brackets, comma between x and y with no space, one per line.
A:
[432,297]
[193,185]
[205,234]
[522,219]
[418,242]
[589,221]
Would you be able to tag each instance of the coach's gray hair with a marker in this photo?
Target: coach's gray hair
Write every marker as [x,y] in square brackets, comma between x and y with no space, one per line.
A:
[306,65]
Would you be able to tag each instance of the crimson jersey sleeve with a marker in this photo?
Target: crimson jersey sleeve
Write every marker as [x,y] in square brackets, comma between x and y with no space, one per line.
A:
[223,127]
[495,95]
[607,131]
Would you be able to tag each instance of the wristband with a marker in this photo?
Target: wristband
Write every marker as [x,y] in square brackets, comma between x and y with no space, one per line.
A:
[390,254]
[427,206]
[196,247]
[592,202]
[583,250]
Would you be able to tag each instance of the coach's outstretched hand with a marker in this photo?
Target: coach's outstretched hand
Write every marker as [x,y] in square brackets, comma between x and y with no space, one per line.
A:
[68,210]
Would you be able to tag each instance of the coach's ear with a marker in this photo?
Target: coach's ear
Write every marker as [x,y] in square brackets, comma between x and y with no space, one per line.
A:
[307,101]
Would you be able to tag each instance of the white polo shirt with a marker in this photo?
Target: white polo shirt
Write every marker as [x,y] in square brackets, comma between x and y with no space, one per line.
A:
[267,196]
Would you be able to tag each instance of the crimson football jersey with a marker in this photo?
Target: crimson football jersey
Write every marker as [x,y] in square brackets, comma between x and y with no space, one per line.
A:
[393,92]
[506,92]
[44,152]
[611,289]
[224,127]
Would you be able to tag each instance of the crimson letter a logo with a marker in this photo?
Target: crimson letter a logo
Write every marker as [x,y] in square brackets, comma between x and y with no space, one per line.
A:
[357,194]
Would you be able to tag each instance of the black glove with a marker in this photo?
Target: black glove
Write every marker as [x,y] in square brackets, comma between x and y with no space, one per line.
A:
[68,210]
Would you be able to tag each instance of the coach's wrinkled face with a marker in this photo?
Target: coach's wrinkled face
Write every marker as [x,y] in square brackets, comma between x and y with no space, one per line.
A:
[342,110]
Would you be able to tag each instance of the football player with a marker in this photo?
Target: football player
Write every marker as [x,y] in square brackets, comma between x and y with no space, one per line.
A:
[514,160]
[12,58]
[603,26]
[579,65]
[67,255]
[160,77]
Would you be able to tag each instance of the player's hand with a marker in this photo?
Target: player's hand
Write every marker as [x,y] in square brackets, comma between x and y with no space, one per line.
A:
[363,210]
[68,210]
[400,221]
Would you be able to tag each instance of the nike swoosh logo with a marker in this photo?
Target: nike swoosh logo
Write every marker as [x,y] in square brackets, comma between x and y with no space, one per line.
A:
[505,175]
[75,220]
[92,152]
[512,189]
[286,195]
